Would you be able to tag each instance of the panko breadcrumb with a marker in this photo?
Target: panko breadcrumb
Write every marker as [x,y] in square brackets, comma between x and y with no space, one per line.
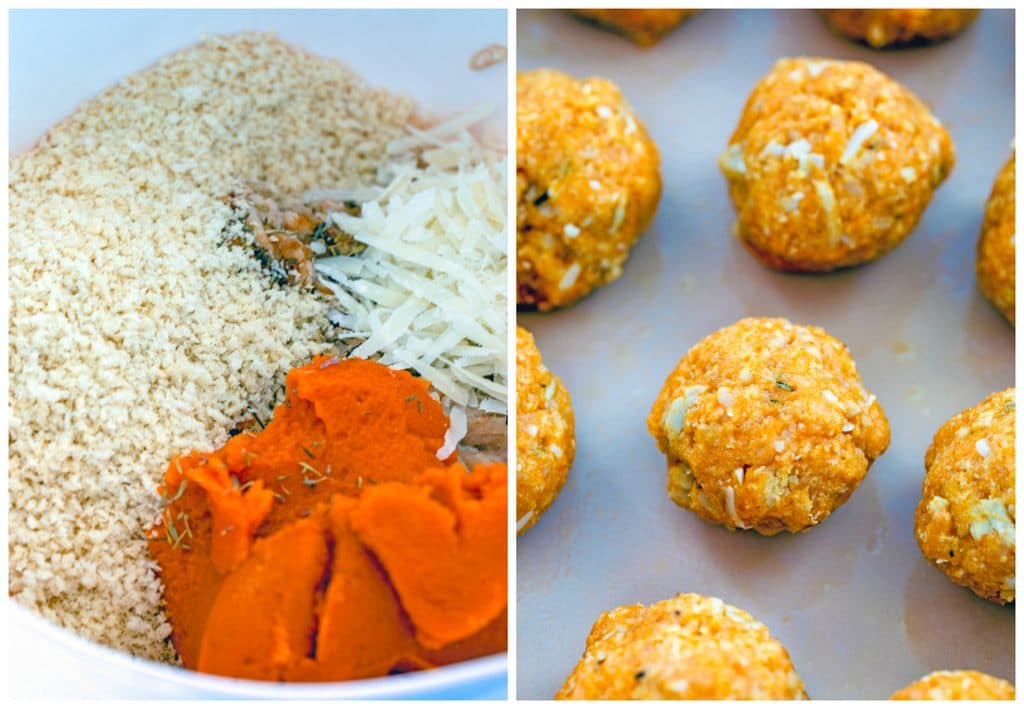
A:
[687,647]
[587,184]
[997,245]
[889,27]
[966,521]
[644,27]
[960,684]
[545,433]
[832,164]
[766,426]
[135,332]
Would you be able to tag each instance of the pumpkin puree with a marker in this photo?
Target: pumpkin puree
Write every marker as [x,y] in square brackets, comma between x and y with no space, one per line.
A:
[333,544]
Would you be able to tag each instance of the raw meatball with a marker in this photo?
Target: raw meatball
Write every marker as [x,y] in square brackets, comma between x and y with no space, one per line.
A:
[587,182]
[687,647]
[831,165]
[965,522]
[545,433]
[766,426]
[887,28]
[961,684]
[645,27]
[997,245]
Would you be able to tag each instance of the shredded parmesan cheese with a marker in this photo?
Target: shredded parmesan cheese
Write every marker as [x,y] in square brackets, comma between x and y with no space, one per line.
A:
[428,294]
[857,139]
[457,427]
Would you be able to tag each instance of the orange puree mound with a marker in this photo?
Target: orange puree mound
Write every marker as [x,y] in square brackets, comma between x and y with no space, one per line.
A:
[334,544]
[260,624]
[443,543]
[362,630]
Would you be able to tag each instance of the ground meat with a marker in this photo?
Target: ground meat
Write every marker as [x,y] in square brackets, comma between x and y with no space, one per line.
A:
[287,236]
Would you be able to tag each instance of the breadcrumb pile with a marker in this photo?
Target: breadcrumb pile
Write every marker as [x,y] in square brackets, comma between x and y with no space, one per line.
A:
[135,333]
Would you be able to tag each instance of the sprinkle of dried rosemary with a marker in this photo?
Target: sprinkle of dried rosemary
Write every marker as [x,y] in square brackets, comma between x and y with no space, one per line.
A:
[180,492]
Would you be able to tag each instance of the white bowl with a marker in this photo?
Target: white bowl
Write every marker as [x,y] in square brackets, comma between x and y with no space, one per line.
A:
[60,58]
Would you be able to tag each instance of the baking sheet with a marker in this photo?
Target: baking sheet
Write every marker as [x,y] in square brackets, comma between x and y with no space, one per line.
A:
[857,606]
[59,58]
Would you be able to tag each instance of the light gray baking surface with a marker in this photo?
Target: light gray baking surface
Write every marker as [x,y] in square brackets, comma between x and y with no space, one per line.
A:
[860,611]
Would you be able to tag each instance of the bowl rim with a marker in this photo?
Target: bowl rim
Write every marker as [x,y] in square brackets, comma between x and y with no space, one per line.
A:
[484,669]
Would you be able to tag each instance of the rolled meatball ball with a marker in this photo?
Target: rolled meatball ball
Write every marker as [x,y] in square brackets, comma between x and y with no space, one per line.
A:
[997,245]
[644,27]
[831,165]
[766,426]
[687,647]
[545,433]
[961,684]
[881,28]
[965,523]
[587,182]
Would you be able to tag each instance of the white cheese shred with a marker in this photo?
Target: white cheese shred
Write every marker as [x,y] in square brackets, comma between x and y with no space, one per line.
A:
[429,292]
[457,427]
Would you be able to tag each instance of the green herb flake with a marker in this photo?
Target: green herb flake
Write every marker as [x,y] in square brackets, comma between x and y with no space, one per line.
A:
[309,468]
[781,384]
[180,492]
[173,537]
